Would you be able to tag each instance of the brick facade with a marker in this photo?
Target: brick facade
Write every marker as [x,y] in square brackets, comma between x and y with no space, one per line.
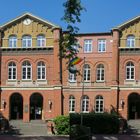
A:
[52,94]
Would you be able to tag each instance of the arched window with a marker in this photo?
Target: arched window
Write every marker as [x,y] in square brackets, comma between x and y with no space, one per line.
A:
[86,72]
[12,71]
[71,104]
[26,41]
[41,41]
[26,70]
[12,41]
[99,104]
[85,103]
[130,71]
[100,73]
[41,71]
[131,41]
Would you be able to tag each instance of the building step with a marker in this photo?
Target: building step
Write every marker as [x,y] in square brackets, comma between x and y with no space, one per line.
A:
[33,128]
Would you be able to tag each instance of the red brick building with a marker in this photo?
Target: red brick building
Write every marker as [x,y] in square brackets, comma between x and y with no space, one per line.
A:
[31,84]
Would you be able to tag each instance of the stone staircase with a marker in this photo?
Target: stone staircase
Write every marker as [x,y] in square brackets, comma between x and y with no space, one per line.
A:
[134,127]
[33,128]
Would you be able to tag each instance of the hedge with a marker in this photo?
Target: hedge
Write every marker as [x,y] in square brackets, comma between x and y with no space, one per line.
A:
[99,123]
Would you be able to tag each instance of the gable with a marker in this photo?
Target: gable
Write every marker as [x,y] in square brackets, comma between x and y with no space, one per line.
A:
[128,23]
[129,28]
[32,17]
[28,24]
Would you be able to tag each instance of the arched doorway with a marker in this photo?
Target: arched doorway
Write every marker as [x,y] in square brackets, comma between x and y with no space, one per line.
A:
[134,106]
[36,105]
[16,106]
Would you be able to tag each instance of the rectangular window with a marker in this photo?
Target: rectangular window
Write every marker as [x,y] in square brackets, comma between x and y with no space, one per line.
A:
[101,45]
[87,46]
[72,77]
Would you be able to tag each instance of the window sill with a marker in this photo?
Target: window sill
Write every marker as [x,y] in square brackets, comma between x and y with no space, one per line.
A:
[100,81]
[72,81]
[12,80]
[130,80]
[85,112]
[71,111]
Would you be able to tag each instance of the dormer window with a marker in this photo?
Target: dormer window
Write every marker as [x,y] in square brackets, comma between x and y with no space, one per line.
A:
[41,41]
[130,41]
[26,41]
[12,41]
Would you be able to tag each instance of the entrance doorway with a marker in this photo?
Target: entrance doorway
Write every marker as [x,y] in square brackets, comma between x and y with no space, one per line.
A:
[134,106]
[36,105]
[16,106]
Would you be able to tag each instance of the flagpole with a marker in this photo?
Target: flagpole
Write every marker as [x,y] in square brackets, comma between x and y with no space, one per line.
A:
[83,87]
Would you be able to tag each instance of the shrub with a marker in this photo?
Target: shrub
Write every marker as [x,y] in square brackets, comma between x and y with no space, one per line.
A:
[62,125]
[99,123]
[79,132]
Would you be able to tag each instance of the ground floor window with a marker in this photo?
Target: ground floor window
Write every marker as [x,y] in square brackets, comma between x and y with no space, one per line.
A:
[99,104]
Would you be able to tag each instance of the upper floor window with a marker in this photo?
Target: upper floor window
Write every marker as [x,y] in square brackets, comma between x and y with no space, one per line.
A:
[131,41]
[101,45]
[85,103]
[12,71]
[99,104]
[41,41]
[87,45]
[26,41]
[130,71]
[12,41]
[26,70]
[100,73]
[41,71]
[86,70]
[71,104]
[72,77]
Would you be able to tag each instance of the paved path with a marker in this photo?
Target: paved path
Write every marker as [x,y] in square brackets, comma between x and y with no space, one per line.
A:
[33,138]
[95,137]
[134,127]
[115,137]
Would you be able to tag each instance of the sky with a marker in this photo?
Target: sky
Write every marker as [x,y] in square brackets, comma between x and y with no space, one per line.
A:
[100,15]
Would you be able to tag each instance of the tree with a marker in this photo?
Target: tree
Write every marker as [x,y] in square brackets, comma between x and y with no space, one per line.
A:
[73,9]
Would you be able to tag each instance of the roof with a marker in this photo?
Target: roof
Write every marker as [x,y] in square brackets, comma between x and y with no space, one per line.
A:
[127,23]
[32,16]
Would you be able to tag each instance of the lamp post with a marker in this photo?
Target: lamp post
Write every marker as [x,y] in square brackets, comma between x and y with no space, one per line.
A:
[83,88]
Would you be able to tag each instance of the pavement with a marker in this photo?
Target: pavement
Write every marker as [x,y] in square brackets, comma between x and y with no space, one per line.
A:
[2,137]
[37,131]
[116,137]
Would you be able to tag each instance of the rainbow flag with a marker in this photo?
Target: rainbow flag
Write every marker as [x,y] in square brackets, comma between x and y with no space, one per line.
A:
[75,61]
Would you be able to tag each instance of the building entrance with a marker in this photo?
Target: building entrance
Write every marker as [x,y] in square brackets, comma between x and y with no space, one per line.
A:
[134,106]
[36,105]
[16,106]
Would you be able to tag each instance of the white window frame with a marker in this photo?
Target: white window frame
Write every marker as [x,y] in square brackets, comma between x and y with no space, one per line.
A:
[12,41]
[26,39]
[130,41]
[72,104]
[130,71]
[12,67]
[41,67]
[72,77]
[86,73]
[88,45]
[26,70]
[102,45]
[100,73]
[41,40]
[99,104]
[85,104]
